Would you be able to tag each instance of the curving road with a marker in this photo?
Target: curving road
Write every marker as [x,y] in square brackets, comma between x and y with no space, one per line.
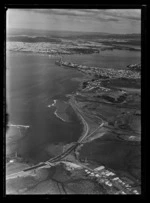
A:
[68,151]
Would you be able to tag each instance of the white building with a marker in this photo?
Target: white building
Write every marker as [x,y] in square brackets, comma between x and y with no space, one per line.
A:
[99,168]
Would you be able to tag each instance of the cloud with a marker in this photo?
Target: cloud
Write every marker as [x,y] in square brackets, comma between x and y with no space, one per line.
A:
[102,14]
[69,12]
[89,14]
[131,14]
[107,20]
[104,18]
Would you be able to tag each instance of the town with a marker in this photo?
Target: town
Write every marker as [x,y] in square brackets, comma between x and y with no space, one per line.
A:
[102,73]
[56,46]
[53,48]
[108,179]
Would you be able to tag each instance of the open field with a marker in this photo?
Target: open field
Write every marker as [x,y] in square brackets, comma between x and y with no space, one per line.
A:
[122,156]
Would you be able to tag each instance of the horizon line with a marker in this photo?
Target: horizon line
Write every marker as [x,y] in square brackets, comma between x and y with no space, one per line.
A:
[74,31]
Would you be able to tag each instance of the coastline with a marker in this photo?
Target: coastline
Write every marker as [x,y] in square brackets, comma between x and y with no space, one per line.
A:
[60,110]
[58,116]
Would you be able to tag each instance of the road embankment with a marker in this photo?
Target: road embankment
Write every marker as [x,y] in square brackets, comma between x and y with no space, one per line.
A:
[85,125]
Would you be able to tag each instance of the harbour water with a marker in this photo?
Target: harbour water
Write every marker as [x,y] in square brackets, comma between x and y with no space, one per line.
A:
[34,83]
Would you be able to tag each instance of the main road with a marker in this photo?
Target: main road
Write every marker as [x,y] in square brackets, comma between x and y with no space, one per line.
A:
[69,150]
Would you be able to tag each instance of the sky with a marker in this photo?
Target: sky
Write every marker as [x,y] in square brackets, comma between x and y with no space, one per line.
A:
[120,21]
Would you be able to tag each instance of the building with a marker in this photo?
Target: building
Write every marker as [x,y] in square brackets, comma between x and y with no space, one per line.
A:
[99,168]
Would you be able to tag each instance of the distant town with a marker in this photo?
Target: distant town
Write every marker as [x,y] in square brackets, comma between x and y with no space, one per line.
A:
[55,46]
[103,72]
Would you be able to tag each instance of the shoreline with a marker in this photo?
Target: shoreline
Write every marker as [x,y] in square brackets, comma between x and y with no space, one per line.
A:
[56,114]
[60,110]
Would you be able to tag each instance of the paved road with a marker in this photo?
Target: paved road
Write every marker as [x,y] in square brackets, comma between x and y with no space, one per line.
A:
[84,121]
[53,160]
[68,151]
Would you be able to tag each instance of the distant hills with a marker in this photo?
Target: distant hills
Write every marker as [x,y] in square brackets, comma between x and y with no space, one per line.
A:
[35,36]
[71,34]
[136,67]
[32,39]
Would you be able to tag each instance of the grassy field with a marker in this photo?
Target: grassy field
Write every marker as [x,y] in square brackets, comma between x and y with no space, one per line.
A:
[115,154]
